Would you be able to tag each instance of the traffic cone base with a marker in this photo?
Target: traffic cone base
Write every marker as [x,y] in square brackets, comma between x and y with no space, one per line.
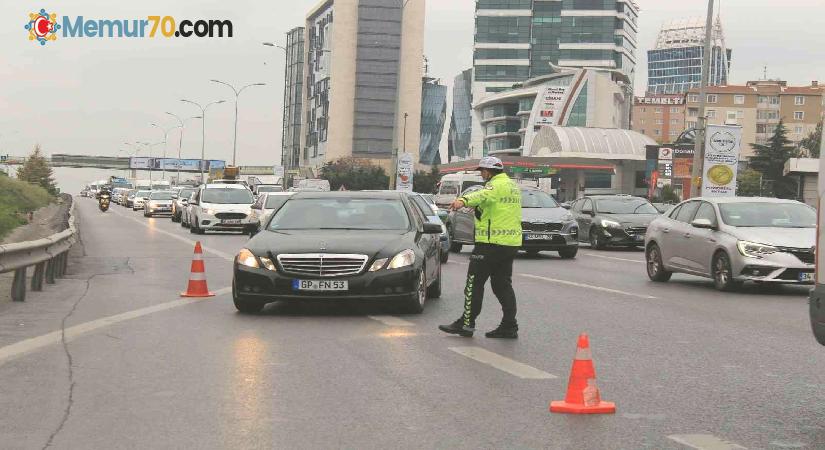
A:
[197,279]
[583,395]
[564,407]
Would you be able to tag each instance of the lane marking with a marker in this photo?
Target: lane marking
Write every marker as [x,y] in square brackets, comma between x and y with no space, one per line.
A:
[502,363]
[704,442]
[614,258]
[34,344]
[587,286]
[206,249]
[392,321]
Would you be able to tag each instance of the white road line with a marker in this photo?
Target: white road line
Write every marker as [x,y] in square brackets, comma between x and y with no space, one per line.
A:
[501,363]
[191,242]
[392,321]
[587,286]
[31,345]
[614,258]
[704,442]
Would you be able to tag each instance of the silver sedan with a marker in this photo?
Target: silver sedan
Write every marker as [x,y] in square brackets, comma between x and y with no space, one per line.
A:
[733,240]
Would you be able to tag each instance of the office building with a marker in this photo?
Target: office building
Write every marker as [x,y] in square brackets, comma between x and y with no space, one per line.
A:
[517,40]
[659,117]
[674,66]
[293,100]
[758,107]
[362,78]
[461,118]
[433,115]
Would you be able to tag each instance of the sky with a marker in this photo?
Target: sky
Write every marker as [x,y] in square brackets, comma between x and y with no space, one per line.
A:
[91,95]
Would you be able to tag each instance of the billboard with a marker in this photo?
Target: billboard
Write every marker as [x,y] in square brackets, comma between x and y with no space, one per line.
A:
[173,164]
[404,177]
[722,146]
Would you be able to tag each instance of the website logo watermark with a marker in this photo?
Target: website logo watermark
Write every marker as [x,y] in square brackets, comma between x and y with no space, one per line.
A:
[44,27]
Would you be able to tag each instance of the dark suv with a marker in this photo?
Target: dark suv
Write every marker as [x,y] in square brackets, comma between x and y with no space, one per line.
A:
[613,220]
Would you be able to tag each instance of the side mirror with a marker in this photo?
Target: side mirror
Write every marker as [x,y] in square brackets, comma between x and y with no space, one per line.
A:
[565,205]
[703,223]
[432,228]
[588,212]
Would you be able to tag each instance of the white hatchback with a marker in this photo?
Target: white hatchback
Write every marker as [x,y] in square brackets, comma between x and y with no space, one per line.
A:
[221,207]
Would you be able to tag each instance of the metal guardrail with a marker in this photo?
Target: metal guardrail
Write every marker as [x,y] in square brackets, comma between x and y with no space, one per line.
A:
[49,256]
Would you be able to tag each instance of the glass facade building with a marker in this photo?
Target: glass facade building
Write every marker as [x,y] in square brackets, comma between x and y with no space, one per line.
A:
[675,64]
[461,119]
[293,99]
[433,115]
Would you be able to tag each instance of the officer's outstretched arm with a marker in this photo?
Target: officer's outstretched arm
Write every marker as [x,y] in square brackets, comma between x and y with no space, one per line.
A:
[478,197]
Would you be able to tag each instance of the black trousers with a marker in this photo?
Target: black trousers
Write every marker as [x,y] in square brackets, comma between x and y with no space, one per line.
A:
[494,262]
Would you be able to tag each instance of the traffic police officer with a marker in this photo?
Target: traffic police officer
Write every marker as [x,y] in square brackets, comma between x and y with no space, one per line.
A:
[497,239]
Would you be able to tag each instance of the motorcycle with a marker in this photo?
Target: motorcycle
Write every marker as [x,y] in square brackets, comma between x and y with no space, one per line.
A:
[103,203]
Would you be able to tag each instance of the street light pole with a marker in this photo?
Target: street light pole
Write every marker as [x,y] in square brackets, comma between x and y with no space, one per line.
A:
[165,136]
[203,133]
[701,124]
[237,94]
[182,126]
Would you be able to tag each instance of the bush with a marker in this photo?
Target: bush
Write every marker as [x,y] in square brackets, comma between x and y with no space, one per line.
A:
[354,174]
[18,198]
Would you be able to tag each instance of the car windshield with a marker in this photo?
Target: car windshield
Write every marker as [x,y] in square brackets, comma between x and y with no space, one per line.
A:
[160,196]
[468,184]
[270,189]
[625,206]
[227,196]
[341,213]
[186,193]
[765,214]
[275,201]
[537,199]
[143,193]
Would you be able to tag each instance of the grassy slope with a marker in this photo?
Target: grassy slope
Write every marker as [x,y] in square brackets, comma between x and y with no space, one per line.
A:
[16,199]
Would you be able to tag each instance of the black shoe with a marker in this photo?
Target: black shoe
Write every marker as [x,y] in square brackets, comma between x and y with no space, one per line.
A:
[458,328]
[503,332]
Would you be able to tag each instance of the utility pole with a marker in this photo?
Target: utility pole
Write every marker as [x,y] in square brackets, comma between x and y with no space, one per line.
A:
[701,124]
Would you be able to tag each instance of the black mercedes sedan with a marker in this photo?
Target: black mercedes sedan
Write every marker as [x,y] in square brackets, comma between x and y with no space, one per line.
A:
[337,246]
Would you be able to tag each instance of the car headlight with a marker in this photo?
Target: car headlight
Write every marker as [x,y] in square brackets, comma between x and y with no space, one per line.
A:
[210,211]
[378,264]
[268,264]
[610,223]
[567,217]
[402,259]
[755,249]
[246,258]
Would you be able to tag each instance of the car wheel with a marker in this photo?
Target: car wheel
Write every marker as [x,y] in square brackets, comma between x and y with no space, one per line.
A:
[568,252]
[246,306]
[454,247]
[193,228]
[415,304]
[655,266]
[723,273]
[445,256]
[434,291]
[175,218]
[596,242]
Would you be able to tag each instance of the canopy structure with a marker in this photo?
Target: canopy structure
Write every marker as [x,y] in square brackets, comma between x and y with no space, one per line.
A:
[589,143]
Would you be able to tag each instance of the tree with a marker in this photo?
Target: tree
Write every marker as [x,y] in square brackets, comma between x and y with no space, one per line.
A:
[37,170]
[425,182]
[354,174]
[813,143]
[770,159]
[749,183]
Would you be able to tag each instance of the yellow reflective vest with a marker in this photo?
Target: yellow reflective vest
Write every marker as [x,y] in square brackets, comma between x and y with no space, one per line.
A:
[500,205]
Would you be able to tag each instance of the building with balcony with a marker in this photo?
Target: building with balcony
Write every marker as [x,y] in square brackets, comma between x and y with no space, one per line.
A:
[362,77]
[674,65]
[518,40]
[660,117]
[758,106]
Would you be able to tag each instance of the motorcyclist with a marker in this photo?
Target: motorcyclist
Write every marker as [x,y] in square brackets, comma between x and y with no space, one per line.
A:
[497,240]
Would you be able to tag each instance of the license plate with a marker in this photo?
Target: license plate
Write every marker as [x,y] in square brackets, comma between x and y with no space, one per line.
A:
[806,276]
[537,237]
[231,221]
[320,285]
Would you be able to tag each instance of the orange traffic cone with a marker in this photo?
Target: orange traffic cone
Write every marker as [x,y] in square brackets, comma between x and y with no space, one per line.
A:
[582,392]
[197,278]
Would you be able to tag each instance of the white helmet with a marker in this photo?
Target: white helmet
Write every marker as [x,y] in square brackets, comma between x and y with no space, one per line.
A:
[490,162]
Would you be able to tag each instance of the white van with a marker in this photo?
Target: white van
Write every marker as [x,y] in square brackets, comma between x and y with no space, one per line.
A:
[453,184]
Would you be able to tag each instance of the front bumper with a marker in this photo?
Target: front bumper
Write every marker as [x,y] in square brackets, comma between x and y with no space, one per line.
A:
[212,223]
[779,267]
[549,240]
[268,286]
[621,237]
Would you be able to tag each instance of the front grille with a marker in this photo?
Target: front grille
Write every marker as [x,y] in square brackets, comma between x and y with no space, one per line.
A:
[636,231]
[230,216]
[806,255]
[322,265]
[529,226]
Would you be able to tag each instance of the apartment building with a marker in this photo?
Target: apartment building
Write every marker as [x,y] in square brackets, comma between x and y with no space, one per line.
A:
[659,117]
